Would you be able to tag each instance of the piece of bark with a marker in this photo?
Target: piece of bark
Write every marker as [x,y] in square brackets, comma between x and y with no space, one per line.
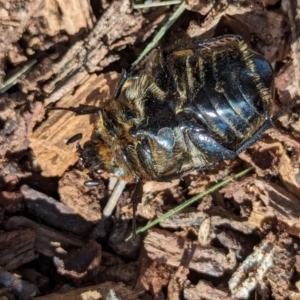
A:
[15,17]
[98,291]
[17,248]
[252,22]
[153,276]
[15,127]
[48,241]
[10,174]
[271,262]
[11,201]
[239,191]
[68,16]
[284,205]
[126,273]
[153,198]
[268,2]
[202,7]
[164,247]
[109,259]
[253,270]
[227,219]
[80,264]
[206,290]
[289,171]
[5,295]
[20,288]
[285,83]
[263,157]
[176,284]
[241,244]
[184,220]
[280,275]
[54,213]
[113,30]
[35,277]
[48,142]
[82,199]
[292,10]
[294,296]
[262,217]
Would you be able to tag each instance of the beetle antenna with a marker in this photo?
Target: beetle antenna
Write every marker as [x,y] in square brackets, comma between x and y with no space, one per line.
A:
[288,107]
[80,110]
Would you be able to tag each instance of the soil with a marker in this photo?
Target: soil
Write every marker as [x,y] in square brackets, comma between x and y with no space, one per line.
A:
[58,238]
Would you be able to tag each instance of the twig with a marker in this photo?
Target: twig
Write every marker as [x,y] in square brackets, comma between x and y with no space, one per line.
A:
[112,201]
[156,4]
[187,203]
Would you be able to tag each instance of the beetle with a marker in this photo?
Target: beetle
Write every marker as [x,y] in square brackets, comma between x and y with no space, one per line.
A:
[187,107]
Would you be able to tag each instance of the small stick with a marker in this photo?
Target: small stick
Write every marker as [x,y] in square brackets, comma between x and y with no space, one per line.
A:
[156,4]
[11,81]
[112,201]
[187,203]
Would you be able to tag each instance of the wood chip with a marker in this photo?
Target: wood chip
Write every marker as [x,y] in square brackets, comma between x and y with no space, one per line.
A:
[53,212]
[48,240]
[17,248]
[90,260]
[206,290]
[20,288]
[164,247]
[98,291]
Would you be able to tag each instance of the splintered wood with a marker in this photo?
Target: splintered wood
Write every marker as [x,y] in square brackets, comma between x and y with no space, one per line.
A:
[56,242]
[48,142]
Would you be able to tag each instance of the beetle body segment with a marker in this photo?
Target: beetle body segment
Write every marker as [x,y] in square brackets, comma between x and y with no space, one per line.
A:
[189,107]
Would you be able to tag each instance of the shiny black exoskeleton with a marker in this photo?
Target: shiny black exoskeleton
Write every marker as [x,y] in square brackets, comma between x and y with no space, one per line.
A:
[187,108]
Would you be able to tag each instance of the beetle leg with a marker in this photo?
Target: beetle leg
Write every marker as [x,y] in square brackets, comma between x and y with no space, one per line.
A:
[206,144]
[124,76]
[75,138]
[135,199]
[80,110]
[269,122]
[120,83]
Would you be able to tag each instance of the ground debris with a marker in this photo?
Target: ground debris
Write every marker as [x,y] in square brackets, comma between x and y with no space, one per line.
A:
[53,212]
[284,205]
[122,272]
[18,287]
[127,249]
[164,247]
[80,264]
[91,54]
[48,141]
[16,126]
[206,291]
[177,283]
[153,276]
[49,242]
[83,200]
[15,18]
[239,242]
[184,220]
[252,272]
[99,291]
[17,248]
[227,219]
